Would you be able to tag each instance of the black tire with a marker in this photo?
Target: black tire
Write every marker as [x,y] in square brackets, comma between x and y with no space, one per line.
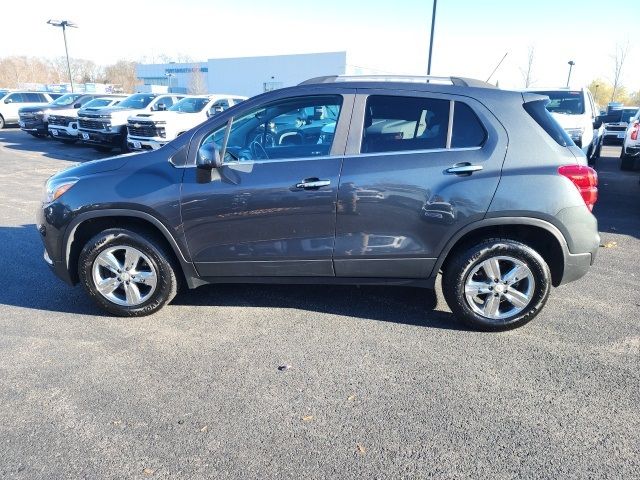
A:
[102,149]
[124,146]
[2,124]
[627,163]
[457,272]
[160,260]
[596,154]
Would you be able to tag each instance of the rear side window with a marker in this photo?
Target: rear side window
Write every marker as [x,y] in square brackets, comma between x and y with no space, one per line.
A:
[541,115]
[393,124]
[467,129]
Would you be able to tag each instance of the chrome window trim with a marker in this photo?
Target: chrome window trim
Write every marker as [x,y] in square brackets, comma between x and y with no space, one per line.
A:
[326,157]
[450,125]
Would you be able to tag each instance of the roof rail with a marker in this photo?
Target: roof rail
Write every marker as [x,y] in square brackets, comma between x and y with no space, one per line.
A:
[456,81]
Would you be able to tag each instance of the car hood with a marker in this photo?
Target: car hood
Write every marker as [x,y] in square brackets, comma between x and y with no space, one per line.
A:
[96,166]
[154,116]
[569,121]
[67,112]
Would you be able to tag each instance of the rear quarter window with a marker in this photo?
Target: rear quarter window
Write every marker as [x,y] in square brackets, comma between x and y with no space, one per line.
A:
[468,131]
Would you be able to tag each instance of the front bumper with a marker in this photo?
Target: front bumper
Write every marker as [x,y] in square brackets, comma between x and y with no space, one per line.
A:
[142,144]
[33,125]
[63,133]
[111,139]
[52,241]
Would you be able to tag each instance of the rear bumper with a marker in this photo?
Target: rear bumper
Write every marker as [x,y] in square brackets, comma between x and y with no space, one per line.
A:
[632,151]
[576,266]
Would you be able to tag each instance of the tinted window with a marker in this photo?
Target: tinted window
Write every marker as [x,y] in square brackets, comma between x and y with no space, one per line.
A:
[237,100]
[628,114]
[565,101]
[293,128]
[31,97]
[139,100]
[15,98]
[97,102]
[67,99]
[543,118]
[404,123]
[166,101]
[467,129]
[190,105]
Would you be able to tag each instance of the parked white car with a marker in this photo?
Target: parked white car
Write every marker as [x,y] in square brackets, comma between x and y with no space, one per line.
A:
[106,128]
[576,112]
[63,124]
[12,102]
[630,154]
[152,131]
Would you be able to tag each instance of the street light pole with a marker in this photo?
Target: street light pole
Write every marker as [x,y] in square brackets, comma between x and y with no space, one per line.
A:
[571,64]
[169,76]
[64,24]
[433,27]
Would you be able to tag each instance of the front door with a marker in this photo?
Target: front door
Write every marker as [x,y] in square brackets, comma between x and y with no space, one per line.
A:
[270,209]
[418,167]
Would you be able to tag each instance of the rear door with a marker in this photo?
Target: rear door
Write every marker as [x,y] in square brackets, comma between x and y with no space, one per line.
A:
[418,167]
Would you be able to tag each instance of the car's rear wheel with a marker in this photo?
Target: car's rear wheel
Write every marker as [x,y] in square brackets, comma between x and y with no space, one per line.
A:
[124,145]
[127,274]
[2,124]
[497,285]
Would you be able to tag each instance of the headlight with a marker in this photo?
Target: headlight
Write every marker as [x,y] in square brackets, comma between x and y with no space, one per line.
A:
[575,133]
[54,189]
[38,114]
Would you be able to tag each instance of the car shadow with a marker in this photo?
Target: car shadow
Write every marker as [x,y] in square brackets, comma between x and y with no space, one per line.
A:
[16,139]
[402,305]
[618,206]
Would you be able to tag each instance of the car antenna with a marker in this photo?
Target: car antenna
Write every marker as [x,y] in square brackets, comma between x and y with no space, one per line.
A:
[497,66]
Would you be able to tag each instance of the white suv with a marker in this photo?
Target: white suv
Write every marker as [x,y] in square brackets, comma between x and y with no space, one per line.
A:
[11,102]
[150,131]
[576,112]
[63,124]
[106,128]
[630,153]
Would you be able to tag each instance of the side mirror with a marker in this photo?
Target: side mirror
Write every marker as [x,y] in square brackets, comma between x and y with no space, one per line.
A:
[597,123]
[9,100]
[77,105]
[215,110]
[208,157]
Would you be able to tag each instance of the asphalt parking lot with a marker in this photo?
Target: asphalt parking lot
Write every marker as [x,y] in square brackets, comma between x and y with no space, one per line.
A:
[384,383]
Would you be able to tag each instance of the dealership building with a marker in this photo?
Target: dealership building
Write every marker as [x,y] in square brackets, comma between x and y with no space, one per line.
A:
[246,75]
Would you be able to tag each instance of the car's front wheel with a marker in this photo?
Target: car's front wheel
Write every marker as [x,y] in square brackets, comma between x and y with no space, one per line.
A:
[127,274]
[497,284]
[627,163]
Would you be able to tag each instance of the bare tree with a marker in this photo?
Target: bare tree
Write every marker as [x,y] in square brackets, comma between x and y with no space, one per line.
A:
[122,73]
[527,73]
[197,82]
[618,60]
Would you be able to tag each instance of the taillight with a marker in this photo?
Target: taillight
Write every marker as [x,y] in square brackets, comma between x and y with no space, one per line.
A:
[635,129]
[586,181]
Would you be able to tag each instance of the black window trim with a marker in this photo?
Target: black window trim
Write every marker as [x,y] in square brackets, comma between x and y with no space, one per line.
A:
[447,147]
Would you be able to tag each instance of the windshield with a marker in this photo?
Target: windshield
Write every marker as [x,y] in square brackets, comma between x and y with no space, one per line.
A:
[628,114]
[98,102]
[67,99]
[190,105]
[564,101]
[139,100]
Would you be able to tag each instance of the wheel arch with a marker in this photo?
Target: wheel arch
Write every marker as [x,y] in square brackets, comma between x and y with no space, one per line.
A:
[89,224]
[540,235]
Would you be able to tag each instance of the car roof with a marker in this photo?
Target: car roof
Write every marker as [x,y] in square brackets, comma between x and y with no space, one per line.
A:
[415,80]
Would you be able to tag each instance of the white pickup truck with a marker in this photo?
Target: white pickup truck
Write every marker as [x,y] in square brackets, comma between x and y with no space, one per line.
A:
[150,131]
[106,128]
[63,124]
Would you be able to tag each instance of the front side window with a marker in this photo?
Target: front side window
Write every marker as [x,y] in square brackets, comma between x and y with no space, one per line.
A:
[393,124]
[166,101]
[97,102]
[300,127]
[15,98]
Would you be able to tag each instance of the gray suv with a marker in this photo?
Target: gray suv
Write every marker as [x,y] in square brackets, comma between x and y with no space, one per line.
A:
[339,180]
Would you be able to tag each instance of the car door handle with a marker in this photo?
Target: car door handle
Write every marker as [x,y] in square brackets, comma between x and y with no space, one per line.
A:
[464,169]
[311,183]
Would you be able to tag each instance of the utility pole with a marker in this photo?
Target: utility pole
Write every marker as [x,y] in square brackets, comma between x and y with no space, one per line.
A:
[433,27]
[64,24]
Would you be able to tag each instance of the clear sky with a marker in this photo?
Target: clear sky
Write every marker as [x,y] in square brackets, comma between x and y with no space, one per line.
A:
[389,35]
